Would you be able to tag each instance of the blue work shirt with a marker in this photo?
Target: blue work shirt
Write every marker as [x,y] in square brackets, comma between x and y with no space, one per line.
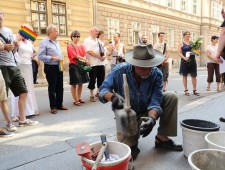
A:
[47,49]
[143,98]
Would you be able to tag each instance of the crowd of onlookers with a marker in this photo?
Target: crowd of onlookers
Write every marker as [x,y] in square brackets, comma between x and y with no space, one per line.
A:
[20,75]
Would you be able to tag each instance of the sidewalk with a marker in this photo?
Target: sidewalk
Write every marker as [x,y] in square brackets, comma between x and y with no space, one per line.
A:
[62,156]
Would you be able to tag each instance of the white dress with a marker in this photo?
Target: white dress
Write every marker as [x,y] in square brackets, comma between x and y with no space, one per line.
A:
[26,53]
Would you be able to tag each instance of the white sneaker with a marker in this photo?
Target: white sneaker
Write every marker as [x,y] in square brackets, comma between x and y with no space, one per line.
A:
[10,127]
[28,122]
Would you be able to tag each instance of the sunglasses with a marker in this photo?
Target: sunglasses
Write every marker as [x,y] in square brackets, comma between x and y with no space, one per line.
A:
[76,36]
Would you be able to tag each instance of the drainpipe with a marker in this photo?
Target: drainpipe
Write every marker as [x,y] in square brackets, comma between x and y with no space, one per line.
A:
[94,3]
[201,57]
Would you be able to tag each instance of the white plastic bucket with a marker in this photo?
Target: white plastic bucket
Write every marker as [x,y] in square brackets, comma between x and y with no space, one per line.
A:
[215,140]
[117,148]
[207,159]
[194,132]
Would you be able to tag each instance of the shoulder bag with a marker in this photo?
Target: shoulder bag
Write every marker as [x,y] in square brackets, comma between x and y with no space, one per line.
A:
[82,66]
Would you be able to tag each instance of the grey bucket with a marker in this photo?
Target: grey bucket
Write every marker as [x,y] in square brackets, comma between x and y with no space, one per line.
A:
[207,159]
[194,131]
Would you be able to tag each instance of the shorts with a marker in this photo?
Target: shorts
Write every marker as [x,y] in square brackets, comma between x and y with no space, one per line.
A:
[13,80]
[3,95]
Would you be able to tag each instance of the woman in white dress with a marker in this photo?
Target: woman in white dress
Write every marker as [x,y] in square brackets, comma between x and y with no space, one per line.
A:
[26,52]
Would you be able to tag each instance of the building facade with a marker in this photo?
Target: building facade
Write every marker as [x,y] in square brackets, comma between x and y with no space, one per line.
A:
[131,18]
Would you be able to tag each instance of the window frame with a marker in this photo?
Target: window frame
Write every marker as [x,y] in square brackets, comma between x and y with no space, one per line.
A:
[133,33]
[113,28]
[170,38]
[38,12]
[183,5]
[58,15]
[195,3]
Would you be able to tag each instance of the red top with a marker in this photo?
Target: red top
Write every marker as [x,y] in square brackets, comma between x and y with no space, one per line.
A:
[73,53]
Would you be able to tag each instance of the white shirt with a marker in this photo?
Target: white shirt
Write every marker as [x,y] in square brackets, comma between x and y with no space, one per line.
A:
[213,51]
[160,47]
[91,45]
[25,52]
[117,52]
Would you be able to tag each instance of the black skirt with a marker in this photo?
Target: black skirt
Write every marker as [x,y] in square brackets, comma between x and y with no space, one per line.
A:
[188,67]
[76,77]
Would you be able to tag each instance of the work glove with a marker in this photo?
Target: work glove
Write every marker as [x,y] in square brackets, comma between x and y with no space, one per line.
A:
[147,126]
[117,101]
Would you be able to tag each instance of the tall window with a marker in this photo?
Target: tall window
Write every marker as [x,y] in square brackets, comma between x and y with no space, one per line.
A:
[195,7]
[183,5]
[113,27]
[59,17]
[133,34]
[155,31]
[170,37]
[39,16]
[170,3]
[216,8]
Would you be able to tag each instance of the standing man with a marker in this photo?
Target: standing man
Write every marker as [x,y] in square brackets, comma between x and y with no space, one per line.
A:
[95,57]
[144,39]
[146,98]
[4,104]
[164,66]
[12,75]
[50,53]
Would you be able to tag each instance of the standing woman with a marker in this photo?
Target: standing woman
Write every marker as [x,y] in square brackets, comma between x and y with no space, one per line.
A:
[211,63]
[76,52]
[188,63]
[26,53]
[117,51]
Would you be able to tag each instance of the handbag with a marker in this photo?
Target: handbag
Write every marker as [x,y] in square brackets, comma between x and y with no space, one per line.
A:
[82,66]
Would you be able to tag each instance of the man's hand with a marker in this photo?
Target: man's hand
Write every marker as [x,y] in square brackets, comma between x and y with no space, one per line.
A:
[8,47]
[147,126]
[117,101]
[54,58]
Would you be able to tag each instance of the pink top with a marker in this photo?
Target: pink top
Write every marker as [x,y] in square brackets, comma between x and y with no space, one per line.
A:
[73,51]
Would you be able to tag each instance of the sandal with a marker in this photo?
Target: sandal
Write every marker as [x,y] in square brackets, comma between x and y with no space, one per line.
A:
[81,101]
[196,93]
[208,89]
[15,119]
[186,93]
[77,103]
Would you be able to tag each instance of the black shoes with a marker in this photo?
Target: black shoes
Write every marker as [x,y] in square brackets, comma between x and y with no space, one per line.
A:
[169,144]
[222,119]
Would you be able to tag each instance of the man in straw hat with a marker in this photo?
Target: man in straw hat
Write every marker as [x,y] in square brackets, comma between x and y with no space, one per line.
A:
[145,83]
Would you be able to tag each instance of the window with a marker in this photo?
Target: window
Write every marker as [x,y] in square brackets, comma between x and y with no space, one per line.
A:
[59,17]
[155,31]
[133,34]
[170,3]
[39,16]
[113,27]
[216,8]
[195,7]
[170,37]
[194,36]
[183,5]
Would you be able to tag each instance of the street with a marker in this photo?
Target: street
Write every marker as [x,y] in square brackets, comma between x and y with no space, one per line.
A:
[59,133]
